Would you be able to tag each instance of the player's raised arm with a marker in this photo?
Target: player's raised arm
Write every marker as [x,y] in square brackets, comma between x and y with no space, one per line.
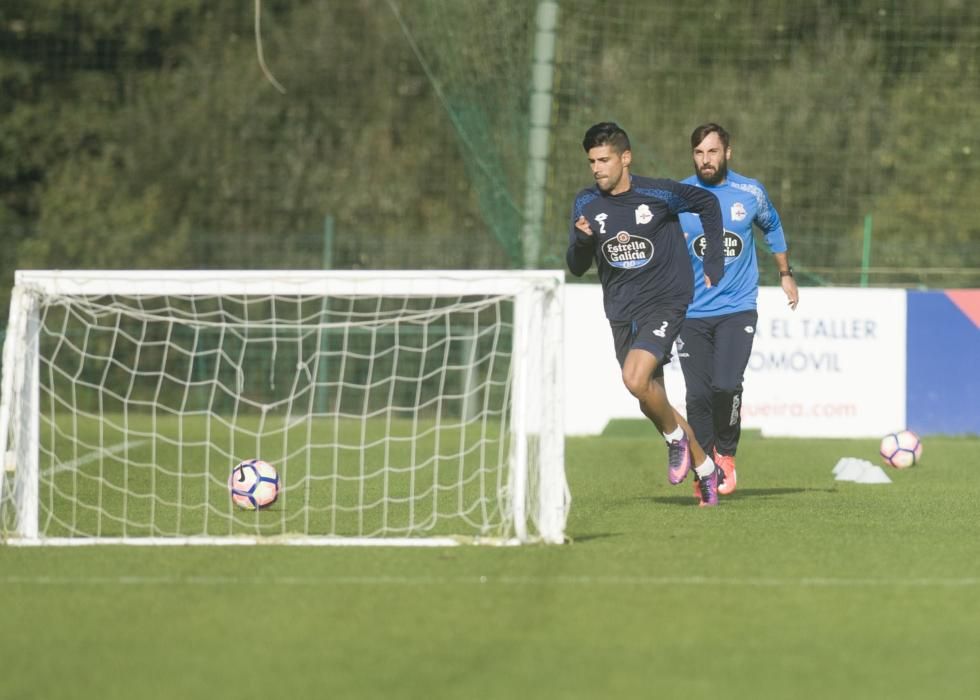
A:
[581,245]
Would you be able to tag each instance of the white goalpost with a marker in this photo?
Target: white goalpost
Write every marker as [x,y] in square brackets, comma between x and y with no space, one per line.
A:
[399,407]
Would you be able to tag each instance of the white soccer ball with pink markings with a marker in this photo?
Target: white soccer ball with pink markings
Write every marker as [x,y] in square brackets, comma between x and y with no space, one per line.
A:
[901,450]
[254,484]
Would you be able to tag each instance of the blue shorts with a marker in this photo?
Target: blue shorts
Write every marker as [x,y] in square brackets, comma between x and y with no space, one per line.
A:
[654,333]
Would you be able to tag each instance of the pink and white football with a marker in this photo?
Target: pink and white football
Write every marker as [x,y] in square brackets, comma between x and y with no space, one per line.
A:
[901,450]
[254,484]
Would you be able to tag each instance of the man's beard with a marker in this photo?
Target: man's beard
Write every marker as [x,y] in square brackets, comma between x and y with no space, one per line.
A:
[715,177]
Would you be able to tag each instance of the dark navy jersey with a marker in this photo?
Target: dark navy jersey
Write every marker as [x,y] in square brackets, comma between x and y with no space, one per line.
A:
[638,245]
[744,204]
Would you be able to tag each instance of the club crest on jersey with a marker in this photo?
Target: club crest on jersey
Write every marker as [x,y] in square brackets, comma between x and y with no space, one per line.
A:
[643,214]
[738,212]
[731,244]
[627,252]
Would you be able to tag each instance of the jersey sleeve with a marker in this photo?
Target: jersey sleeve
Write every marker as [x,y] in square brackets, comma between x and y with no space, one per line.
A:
[689,198]
[767,219]
[581,247]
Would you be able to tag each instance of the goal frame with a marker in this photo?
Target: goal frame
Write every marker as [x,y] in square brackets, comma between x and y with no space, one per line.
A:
[536,415]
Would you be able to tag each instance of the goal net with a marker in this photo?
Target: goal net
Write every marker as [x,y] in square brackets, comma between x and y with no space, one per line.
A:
[398,407]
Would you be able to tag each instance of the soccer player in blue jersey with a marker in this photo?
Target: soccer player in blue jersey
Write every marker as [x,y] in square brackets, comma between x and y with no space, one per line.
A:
[628,225]
[716,339]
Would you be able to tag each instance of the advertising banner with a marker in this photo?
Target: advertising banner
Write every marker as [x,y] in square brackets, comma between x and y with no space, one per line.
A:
[835,367]
[943,390]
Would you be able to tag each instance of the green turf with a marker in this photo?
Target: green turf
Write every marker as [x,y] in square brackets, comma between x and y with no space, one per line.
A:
[797,586]
[168,476]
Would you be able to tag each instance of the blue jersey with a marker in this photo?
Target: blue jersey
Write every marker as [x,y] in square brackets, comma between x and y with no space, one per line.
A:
[638,245]
[744,203]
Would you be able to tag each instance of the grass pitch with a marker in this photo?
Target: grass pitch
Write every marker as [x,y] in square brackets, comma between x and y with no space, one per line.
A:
[796,586]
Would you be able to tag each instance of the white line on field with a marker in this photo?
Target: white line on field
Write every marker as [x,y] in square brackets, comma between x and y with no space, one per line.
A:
[91,457]
[651,581]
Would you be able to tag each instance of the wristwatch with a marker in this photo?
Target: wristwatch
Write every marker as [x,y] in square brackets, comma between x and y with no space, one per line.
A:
[786,273]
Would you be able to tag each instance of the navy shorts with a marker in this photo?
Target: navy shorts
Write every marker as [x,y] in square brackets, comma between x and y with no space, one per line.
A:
[716,351]
[654,333]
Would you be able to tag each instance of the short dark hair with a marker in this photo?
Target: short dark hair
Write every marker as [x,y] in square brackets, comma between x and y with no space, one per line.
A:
[606,134]
[701,133]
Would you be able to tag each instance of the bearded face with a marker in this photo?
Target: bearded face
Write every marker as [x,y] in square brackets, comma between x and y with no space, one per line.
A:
[711,160]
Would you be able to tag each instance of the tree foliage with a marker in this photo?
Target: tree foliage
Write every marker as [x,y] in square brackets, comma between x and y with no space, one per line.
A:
[146,135]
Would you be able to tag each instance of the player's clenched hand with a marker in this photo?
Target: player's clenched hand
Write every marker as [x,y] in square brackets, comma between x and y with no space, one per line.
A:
[707,282]
[582,225]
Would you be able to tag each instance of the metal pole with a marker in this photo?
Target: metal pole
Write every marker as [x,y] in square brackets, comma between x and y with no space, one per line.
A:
[328,228]
[542,79]
[322,376]
[866,251]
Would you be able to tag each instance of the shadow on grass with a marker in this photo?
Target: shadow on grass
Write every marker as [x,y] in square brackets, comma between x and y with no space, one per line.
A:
[775,492]
[687,499]
[594,536]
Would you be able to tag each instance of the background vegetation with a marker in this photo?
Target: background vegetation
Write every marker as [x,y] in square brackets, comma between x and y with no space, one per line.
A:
[145,135]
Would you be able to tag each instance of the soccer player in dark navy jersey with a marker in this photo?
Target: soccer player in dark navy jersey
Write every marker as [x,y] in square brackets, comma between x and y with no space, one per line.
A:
[628,226]
[716,340]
